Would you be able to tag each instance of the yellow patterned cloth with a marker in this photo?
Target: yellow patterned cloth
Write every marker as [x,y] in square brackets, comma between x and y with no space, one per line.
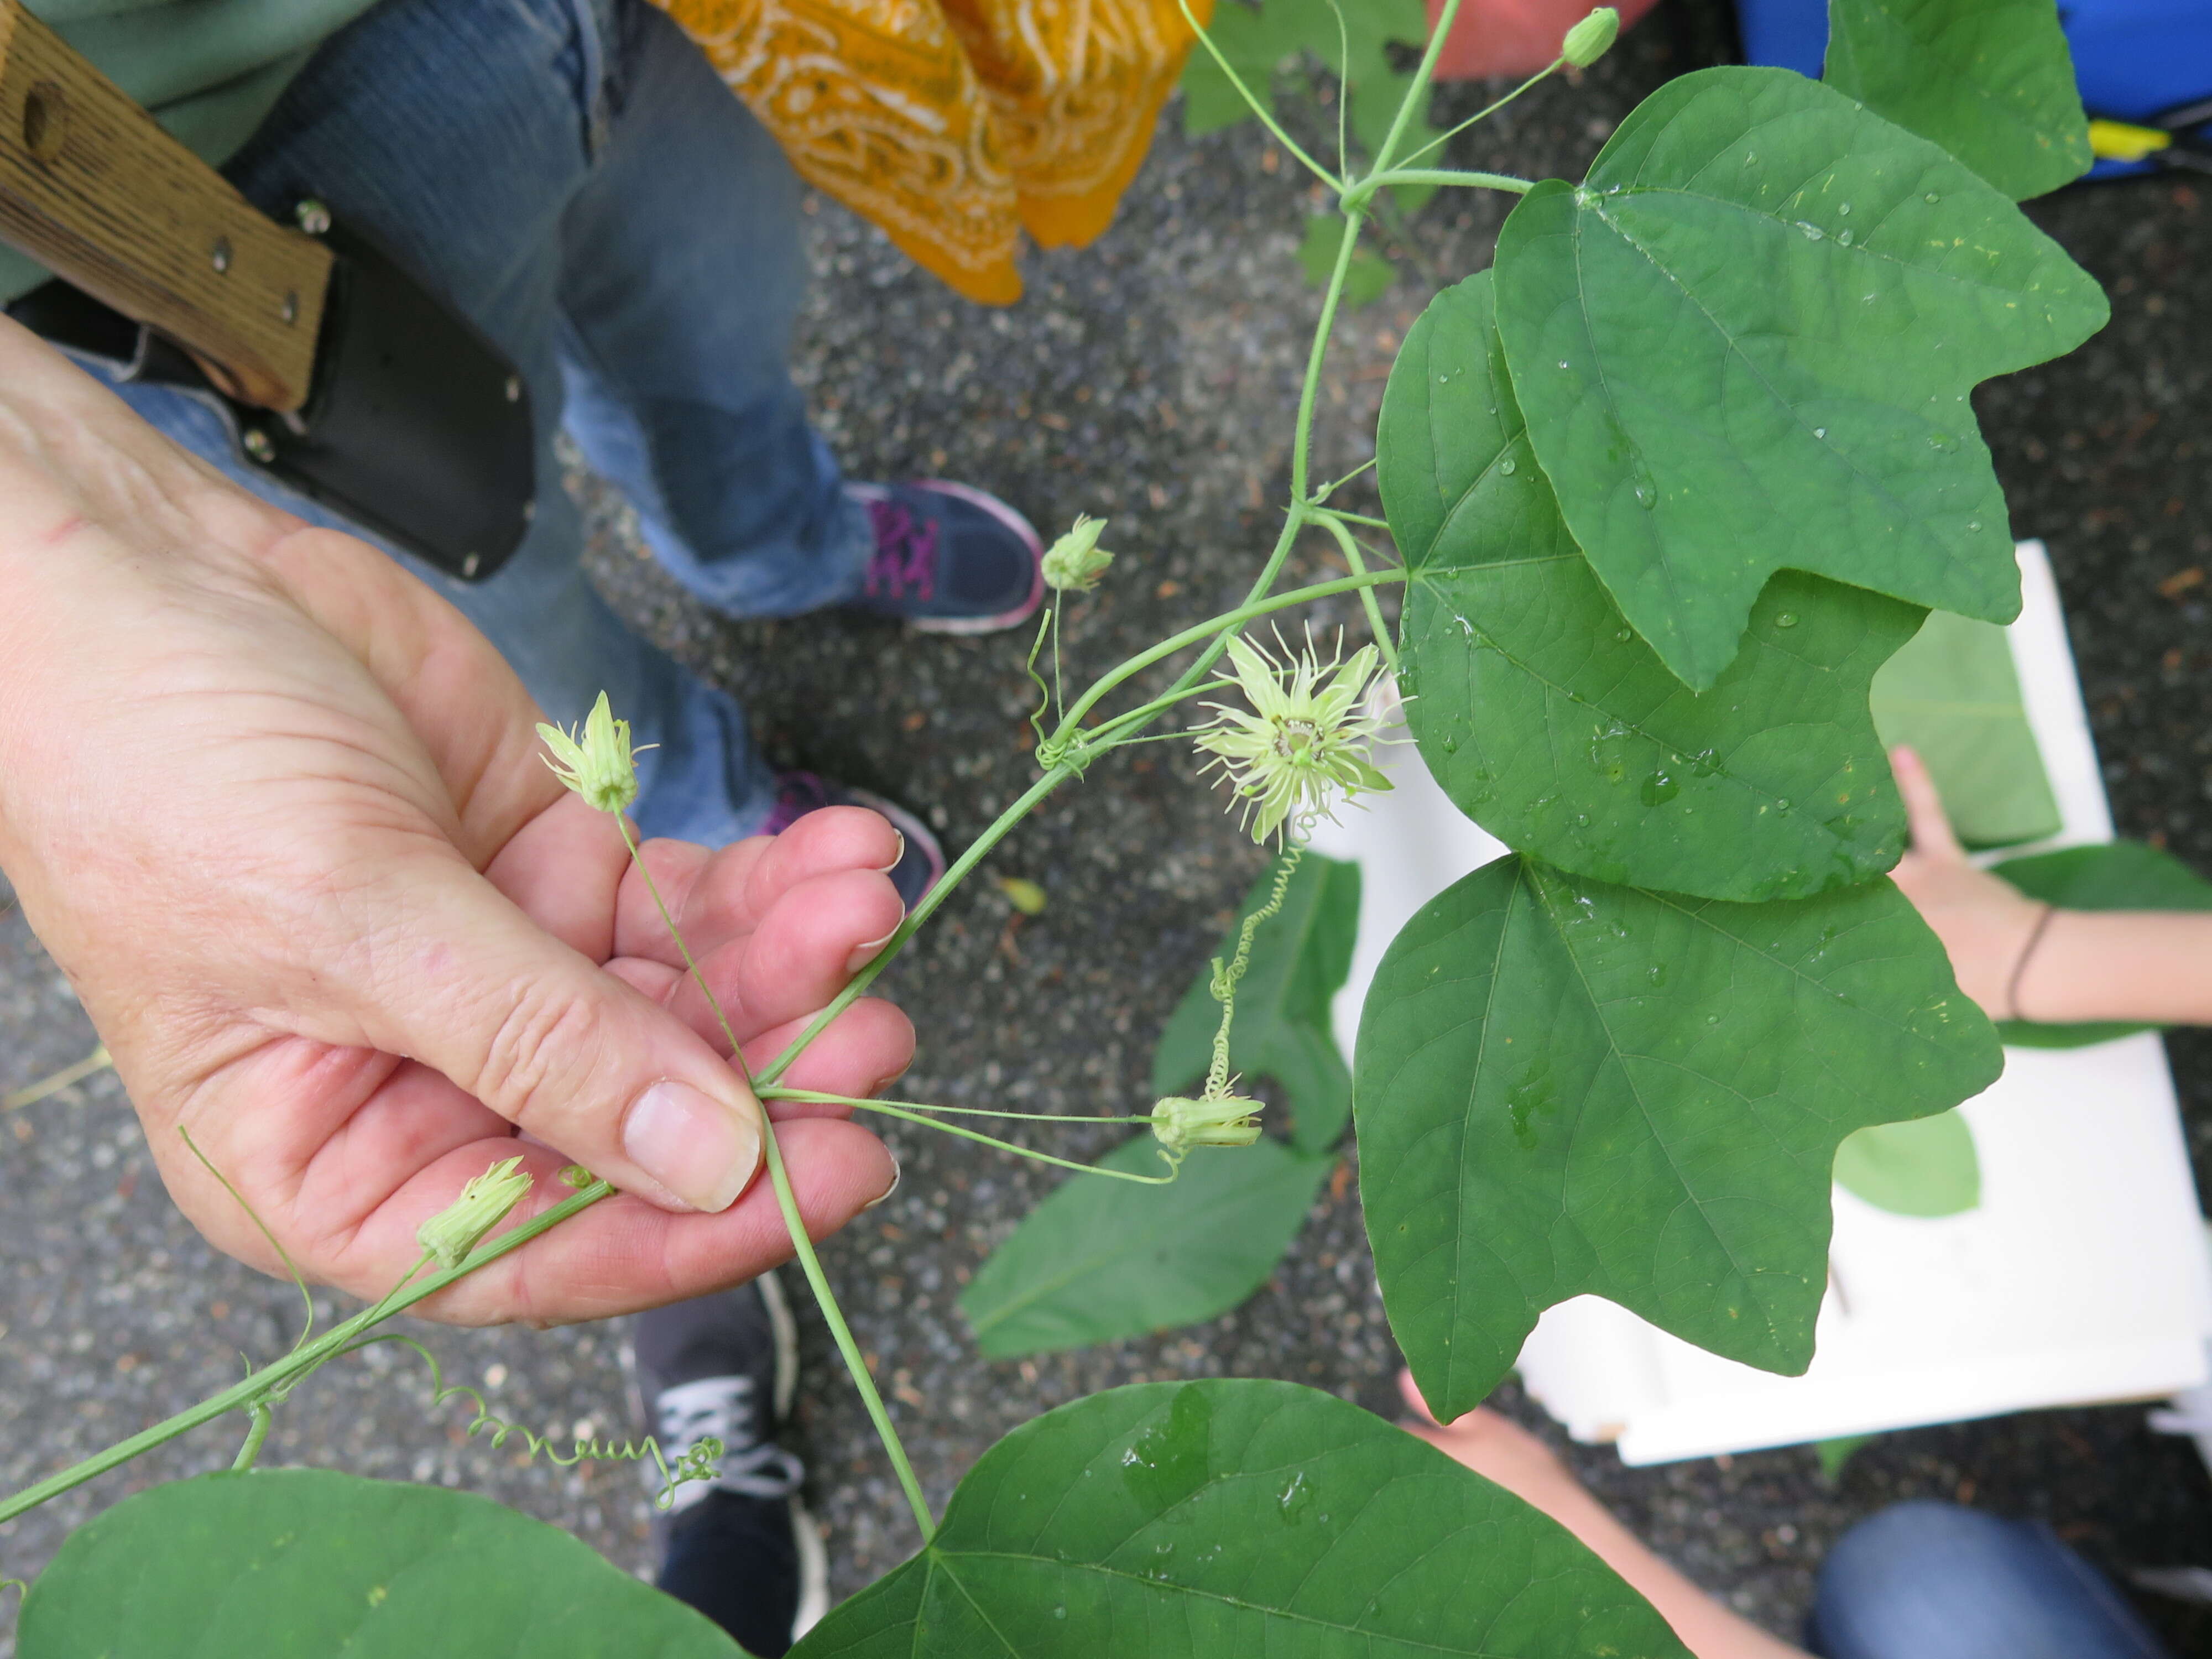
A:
[956,123]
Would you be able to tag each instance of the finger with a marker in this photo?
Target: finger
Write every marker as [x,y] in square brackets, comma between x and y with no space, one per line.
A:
[739,884]
[1924,806]
[621,1254]
[564,868]
[863,1051]
[1410,1394]
[801,955]
[451,972]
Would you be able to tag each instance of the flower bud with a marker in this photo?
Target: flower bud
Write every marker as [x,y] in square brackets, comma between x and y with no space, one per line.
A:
[599,767]
[1076,561]
[1592,38]
[1180,1124]
[451,1233]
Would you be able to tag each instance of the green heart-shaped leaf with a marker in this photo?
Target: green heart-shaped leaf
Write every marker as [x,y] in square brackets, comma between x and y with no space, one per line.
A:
[1548,722]
[1207,1520]
[1100,1259]
[1564,1087]
[303,1564]
[1990,80]
[1925,1166]
[1283,1030]
[1955,695]
[1747,344]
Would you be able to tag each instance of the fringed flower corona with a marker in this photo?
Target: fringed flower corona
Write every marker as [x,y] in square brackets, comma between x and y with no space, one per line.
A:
[599,767]
[451,1234]
[1302,743]
[1076,561]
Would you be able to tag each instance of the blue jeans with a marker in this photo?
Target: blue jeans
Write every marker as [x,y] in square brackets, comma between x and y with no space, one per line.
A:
[1926,1580]
[572,176]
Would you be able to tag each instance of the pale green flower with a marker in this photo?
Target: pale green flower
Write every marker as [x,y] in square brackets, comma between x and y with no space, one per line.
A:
[1180,1123]
[1076,561]
[599,768]
[1302,743]
[1592,38]
[451,1233]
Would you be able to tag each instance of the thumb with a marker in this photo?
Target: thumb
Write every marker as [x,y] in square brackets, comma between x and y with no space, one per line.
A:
[463,981]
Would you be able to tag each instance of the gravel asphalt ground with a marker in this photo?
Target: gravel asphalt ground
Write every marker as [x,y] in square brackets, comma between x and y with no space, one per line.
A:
[1150,379]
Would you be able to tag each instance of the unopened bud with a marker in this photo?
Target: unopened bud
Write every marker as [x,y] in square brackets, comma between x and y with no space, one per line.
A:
[598,765]
[1180,1124]
[1076,561]
[451,1233]
[1592,38]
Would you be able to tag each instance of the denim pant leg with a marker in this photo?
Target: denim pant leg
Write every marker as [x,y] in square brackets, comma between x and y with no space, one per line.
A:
[457,133]
[682,272]
[1925,1580]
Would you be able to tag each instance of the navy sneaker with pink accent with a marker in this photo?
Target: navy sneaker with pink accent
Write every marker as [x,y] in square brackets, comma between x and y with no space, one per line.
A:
[949,558]
[922,860]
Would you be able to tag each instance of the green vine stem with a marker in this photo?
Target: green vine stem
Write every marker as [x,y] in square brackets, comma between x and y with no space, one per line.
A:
[1266,116]
[915,1114]
[802,1244]
[1349,545]
[242,1395]
[1356,197]
[1226,980]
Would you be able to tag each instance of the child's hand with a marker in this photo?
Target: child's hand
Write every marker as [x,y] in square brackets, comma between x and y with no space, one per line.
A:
[1985,923]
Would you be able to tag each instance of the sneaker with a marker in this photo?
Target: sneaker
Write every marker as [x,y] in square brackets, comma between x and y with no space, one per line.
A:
[949,559]
[921,862]
[742,1550]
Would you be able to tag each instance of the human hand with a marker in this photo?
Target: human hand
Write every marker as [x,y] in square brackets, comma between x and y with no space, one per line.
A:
[1987,925]
[281,815]
[1497,1449]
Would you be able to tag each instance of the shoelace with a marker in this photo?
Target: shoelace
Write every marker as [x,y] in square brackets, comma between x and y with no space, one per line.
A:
[723,1407]
[905,555]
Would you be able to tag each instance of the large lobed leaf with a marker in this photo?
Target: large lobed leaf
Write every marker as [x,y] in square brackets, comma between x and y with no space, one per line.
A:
[304,1563]
[1300,958]
[1553,725]
[1990,80]
[1564,1087]
[1747,344]
[1238,1520]
[1100,1259]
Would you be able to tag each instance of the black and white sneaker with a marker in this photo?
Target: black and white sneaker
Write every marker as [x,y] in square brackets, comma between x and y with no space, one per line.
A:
[742,1548]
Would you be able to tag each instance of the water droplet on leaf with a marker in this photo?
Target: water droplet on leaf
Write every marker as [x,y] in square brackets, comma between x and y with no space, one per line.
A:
[1509,466]
[1787,619]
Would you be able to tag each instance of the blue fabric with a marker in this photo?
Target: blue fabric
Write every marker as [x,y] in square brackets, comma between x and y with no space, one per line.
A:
[1926,1580]
[572,176]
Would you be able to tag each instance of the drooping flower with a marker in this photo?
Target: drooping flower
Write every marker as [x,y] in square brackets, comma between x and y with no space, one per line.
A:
[1076,561]
[1303,741]
[451,1234]
[599,767]
[1180,1123]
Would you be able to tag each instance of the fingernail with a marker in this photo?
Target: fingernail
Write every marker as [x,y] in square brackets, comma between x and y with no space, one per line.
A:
[699,1149]
[898,1173]
[885,869]
[864,954]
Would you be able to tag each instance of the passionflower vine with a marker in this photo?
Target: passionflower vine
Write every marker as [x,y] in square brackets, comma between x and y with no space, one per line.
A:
[598,765]
[1302,742]
[451,1234]
[1076,561]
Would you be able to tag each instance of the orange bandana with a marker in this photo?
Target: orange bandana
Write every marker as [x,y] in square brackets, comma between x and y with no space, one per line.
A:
[956,123]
